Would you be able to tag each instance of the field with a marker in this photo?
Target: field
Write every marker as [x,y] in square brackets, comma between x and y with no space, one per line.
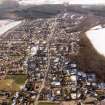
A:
[12,82]
[47,103]
[18,79]
[8,85]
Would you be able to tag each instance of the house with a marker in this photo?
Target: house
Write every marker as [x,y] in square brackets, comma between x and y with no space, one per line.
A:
[94,84]
[56,60]
[34,50]
[73,96]
[73,78]
[81,76]
[66,63]
[73,88]
[73,65]
[66,72]
[56,83]
[91,77]
[73,71]
[101,85]
[88,83]
[56,94]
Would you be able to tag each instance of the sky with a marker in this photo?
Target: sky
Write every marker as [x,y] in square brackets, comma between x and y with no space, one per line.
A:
[26,2]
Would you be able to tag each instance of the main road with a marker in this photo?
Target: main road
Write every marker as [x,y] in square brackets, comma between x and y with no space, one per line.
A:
[54,25]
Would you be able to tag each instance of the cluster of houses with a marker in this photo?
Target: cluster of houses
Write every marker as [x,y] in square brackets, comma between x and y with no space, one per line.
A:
[64,80]
[13,44]
[12,54]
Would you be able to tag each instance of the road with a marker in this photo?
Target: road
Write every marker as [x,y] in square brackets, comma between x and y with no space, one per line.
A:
[54,24]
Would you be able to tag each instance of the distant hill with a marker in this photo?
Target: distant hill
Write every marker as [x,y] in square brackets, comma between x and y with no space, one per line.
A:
[48,10]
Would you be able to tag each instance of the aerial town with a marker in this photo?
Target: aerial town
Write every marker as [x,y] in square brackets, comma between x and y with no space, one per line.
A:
[38,55]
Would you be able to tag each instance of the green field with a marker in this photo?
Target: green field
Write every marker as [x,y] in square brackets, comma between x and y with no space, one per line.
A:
[9,85]
[47,103]
[12,82]
[18,79]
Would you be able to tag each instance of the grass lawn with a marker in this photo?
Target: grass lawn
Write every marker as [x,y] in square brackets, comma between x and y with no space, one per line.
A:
[18,79]
[9,85]
[47,103]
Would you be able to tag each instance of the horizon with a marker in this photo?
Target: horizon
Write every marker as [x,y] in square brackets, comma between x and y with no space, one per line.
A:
[40,2]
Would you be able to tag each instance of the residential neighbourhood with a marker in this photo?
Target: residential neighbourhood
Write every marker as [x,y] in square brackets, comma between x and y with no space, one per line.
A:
[49,62]
[38,63]
[64,83]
